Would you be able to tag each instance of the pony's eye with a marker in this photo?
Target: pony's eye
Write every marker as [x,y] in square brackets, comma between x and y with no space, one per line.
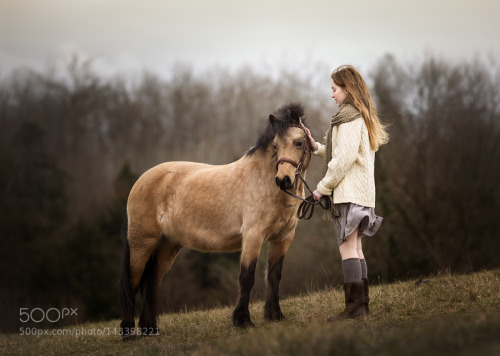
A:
[275,147]
[298,144]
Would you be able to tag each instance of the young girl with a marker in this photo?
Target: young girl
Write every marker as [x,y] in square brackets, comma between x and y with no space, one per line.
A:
[354,136]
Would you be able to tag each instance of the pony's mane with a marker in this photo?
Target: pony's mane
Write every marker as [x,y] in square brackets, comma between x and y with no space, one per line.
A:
[286,116]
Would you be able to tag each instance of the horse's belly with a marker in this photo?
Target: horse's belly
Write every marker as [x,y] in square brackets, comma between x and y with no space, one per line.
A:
[210,242]
[202,238]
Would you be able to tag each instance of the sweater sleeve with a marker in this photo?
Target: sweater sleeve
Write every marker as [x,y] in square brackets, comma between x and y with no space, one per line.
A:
[343,157]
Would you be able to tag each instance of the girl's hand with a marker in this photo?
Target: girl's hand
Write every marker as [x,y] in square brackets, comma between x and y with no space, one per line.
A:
[313,143]
[317,195]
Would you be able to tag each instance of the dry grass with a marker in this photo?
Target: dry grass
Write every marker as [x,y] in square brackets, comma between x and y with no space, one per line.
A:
[451,314]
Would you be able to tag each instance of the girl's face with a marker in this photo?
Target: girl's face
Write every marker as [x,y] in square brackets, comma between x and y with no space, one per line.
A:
[338,93]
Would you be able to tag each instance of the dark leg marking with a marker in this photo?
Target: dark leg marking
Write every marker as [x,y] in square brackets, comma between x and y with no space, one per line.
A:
[272,310]
[149,315]
[241,315]
[127,295]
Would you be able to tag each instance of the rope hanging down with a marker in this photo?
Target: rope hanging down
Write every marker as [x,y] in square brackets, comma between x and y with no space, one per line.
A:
[306,208]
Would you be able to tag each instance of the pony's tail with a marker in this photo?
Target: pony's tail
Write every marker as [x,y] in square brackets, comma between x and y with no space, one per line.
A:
[127,300]
[149,317]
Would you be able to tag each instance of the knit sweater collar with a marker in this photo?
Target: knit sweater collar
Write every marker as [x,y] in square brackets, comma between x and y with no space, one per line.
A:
[346,113]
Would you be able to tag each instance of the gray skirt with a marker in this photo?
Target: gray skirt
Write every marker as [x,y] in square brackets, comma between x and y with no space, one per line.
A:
[353,216]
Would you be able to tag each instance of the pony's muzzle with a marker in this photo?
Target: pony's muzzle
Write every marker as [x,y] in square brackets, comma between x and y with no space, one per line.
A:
[284,183]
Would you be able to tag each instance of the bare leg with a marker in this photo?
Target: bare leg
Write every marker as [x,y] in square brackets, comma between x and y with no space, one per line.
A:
[359,247]
[349,249]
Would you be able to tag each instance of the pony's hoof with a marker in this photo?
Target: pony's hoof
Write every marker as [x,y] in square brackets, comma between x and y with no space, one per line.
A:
[243,324]
[127,330]
[242,320]
[274,316]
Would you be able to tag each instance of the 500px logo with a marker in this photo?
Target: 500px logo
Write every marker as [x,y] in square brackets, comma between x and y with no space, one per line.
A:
[52,315]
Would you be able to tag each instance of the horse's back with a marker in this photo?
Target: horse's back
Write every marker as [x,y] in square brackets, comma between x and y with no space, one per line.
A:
[174,175]
[155,185]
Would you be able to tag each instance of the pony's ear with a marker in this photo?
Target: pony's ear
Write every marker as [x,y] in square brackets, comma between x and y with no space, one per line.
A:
[273,119]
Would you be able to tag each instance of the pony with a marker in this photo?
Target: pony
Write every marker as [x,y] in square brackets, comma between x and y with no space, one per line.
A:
[216,208]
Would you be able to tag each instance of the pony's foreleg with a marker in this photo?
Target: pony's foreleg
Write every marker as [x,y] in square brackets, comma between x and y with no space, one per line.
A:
[277,251]
[249,255]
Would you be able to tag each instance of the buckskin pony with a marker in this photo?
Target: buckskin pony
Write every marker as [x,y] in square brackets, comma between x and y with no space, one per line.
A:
[224,208]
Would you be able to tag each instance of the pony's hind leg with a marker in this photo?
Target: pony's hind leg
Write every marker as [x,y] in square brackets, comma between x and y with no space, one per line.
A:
[143,261]
[277,251]
[158,264]
[167,252]
[148,317]
[127,296]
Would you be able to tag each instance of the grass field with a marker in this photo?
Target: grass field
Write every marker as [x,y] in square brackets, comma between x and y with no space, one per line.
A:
[444,315]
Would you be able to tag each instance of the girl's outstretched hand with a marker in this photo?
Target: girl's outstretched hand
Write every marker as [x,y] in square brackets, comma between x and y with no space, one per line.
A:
[313,143]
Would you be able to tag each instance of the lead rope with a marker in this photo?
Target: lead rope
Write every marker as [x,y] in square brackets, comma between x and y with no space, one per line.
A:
[306,208]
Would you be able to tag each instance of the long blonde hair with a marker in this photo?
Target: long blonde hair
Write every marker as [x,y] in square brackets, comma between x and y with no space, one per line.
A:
[348,77]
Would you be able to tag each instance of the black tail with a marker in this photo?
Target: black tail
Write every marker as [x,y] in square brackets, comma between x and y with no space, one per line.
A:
[127,300]
[148,318]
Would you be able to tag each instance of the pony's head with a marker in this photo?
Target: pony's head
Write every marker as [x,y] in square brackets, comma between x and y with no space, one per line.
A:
[289,144]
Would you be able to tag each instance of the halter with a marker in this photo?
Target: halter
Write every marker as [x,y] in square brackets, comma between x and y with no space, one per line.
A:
[306,208]
[305,150]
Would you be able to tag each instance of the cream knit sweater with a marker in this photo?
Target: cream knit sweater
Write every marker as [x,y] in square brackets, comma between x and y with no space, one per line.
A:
[351,172]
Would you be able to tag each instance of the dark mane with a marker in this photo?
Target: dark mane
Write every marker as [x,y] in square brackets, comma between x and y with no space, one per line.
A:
[286,115]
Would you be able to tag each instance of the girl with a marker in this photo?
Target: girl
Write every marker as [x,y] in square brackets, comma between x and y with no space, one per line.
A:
[354,136]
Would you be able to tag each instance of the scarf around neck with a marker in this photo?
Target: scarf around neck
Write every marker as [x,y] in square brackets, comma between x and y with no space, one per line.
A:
[346,113]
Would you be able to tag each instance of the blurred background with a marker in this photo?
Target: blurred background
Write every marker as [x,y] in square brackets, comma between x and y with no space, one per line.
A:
[94,93]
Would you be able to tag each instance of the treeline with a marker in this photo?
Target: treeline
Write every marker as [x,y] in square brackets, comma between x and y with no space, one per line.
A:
[438,178]
[72,144]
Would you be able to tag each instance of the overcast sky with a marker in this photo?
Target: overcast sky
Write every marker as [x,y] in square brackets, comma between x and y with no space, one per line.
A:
[127,36]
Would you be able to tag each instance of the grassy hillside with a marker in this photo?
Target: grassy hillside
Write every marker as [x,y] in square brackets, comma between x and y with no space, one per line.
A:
[442,315]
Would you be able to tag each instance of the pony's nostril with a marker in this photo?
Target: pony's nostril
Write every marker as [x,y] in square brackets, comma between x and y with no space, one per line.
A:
[284,183]
[287,182]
